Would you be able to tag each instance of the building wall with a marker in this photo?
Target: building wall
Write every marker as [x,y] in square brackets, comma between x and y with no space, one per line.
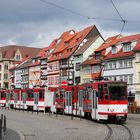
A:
[96,44]
[4,74]
[18,79]
[124,73]
[86,74]
[137,77]
[53,74]
[34,76]
[84,56]
[25,78]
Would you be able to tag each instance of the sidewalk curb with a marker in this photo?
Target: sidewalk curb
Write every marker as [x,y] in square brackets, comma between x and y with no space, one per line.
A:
[21,135]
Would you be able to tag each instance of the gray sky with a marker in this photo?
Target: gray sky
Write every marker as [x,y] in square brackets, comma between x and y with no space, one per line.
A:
[34,23]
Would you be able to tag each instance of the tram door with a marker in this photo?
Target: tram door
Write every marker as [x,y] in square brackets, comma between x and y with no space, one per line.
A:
[24,98]
[36,98]
[80,102]
[94,104]
[68,97]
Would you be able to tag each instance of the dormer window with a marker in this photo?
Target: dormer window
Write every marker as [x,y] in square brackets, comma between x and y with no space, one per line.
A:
[18,57]
[97,56]
[60,54]
[54,56]
[127,47]
[114,49]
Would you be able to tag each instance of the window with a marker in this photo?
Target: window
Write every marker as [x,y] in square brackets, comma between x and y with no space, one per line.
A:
[6,66]
[5,76]
[114,50]
[100,91]
[114,65]
[121,78]
[127,47]
[96,69]
[0,67]
[110,65]
[17,57]
[139,77]
[130,79]
[120,64]
[125,78]
[130,63]
[125,63]
[77,66]
[64,73]
[97,56]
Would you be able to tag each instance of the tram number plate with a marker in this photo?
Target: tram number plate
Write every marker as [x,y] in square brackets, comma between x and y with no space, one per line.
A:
[120,115]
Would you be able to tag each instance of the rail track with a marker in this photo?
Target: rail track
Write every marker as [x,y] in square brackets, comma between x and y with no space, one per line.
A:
[115,132]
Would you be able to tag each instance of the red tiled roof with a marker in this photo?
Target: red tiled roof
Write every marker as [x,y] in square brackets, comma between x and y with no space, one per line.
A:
[9,51]
[120,54]
[43,51]
[137,48]
[110,41]
[86,45]
[117,39]
[68,48]
[91,61]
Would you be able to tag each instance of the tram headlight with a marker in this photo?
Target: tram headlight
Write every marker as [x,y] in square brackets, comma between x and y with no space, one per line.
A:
[111,110]
[125,110]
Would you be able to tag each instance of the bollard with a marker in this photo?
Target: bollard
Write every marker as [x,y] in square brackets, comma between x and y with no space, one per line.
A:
[4,125]
[49,112]
[80,115]
[72,114]
[15,107]
[37,111]
[23,108]
[56,112]
[0,128]
[1,117]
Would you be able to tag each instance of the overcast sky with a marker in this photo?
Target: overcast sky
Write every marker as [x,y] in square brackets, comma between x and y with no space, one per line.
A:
[35,23]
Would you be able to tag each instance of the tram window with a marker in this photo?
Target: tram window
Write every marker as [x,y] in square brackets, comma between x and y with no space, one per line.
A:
[100,91]
[30,94]
[106,94]
[41,94]
[93,99]
[3,95]
[80,98]
[105,85]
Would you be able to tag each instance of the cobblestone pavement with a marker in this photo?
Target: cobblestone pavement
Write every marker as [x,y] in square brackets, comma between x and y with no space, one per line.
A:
[44,127]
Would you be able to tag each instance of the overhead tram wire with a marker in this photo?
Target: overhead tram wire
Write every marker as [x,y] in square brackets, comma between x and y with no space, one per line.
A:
[77,13]
[122,19]
[63,8]
[88,17]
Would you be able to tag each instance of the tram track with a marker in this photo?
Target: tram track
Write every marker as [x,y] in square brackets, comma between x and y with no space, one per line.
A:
[131,137]
[114,134]
[110,132]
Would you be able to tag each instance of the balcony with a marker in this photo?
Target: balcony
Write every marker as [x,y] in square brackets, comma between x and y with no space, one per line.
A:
[64,66]
[43,63]
[12,76]
[43,66]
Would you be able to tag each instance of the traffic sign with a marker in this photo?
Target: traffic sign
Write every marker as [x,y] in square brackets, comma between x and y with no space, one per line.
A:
[64,84]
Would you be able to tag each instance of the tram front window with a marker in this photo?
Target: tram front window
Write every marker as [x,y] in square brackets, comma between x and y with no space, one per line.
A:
[117,91]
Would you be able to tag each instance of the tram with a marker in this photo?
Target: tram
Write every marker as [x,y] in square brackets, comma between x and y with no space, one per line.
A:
[100,100]
[103,100]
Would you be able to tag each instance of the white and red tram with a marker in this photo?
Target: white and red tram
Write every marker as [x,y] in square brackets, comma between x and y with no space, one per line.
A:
[100,100]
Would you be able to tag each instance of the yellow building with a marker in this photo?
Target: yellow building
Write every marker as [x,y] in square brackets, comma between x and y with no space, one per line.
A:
[137,77]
